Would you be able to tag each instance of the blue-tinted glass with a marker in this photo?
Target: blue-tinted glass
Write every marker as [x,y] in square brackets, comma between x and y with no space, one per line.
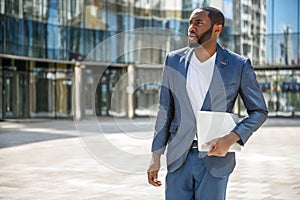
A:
[112,21]
[142,22]
[130,21]
[157,23]
[92,39]
[53,38]
[226,38]
[34,38]
[184,25]
[137,22]
[192,4]
[72,43]
[75,43]
[298,47]
[174,25]
[19,41]
[126,22]
[77,16]
[2,41]
[81,44]
[68,44]
[269,49]
[53,12]
[285,15]
[13,36]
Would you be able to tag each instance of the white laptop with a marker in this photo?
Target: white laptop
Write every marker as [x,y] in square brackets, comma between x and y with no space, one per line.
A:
[212,125]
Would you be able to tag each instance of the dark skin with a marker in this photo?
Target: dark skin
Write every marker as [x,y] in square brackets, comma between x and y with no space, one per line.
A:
[200,31]
[199,25]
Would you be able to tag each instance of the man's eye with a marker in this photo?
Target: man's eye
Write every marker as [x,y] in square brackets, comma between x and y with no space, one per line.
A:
[196,23]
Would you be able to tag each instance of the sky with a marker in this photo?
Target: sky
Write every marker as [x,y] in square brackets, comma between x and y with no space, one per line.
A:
[285,14]
[228,9]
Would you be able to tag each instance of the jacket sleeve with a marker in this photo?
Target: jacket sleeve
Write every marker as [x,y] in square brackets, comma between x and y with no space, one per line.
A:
[254,103]
[165,113]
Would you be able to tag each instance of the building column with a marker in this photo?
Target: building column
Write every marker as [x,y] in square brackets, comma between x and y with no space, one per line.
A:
[78,103]
[130,91]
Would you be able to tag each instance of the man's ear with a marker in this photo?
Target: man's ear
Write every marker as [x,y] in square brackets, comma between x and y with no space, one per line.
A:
[218,29]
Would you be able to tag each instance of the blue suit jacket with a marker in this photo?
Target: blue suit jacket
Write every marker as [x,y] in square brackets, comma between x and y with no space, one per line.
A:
[176,123]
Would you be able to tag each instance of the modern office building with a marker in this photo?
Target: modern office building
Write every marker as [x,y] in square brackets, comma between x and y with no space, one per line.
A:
[104,57]
[250,29]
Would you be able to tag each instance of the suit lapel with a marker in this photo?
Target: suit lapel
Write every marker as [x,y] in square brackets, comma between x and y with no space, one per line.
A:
[181,82]
[185,62]
[217,81]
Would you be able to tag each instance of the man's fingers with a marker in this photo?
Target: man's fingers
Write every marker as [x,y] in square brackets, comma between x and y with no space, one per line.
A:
[157,183]
[152,178]
[217,151]
[212,152]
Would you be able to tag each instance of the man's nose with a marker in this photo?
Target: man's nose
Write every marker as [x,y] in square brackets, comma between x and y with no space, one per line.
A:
[192,28]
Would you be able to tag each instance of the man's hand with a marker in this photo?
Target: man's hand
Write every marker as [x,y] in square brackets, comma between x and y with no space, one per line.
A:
[153,170]
[221,145]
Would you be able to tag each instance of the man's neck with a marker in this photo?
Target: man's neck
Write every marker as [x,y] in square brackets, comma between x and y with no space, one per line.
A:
[205,51]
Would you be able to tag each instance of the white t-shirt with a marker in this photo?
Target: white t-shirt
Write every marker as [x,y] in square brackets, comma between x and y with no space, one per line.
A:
[199,77]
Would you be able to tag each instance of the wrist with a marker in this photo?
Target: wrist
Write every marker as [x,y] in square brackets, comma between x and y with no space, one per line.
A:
[156,156]
[234,137]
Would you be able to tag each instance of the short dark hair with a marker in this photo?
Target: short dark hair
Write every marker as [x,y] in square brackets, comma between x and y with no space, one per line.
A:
[215,15]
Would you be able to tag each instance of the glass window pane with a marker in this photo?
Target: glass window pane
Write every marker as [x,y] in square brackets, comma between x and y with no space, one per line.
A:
[63,78]
[12,8]
[75,12]
[1,92]
[42,90]
[21,95]
[34,10]
[2,34]
[95,14]
[13,36]
[34,38]
[281,90]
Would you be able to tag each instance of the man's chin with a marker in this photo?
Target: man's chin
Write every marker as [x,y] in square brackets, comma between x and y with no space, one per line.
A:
[193,44]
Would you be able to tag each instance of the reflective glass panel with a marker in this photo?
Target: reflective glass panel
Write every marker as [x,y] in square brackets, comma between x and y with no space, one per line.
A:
[63,77]
[42,90]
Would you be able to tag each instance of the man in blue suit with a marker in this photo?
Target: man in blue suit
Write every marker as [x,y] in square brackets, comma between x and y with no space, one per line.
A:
[207,77]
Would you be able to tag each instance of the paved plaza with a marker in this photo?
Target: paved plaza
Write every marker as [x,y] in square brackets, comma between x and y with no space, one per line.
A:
[107,160]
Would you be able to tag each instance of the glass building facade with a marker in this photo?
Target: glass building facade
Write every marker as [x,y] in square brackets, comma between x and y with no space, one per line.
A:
[51,54]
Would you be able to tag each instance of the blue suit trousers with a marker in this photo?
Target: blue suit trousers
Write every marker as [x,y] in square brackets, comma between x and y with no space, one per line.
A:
[192,181]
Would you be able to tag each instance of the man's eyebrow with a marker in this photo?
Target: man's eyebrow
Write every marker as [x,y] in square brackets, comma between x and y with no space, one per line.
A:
[197,20]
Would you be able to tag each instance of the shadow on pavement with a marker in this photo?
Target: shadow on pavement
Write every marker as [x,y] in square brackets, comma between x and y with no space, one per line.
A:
[11,139]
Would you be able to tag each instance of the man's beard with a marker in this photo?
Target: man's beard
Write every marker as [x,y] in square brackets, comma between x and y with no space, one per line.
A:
[201,39]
